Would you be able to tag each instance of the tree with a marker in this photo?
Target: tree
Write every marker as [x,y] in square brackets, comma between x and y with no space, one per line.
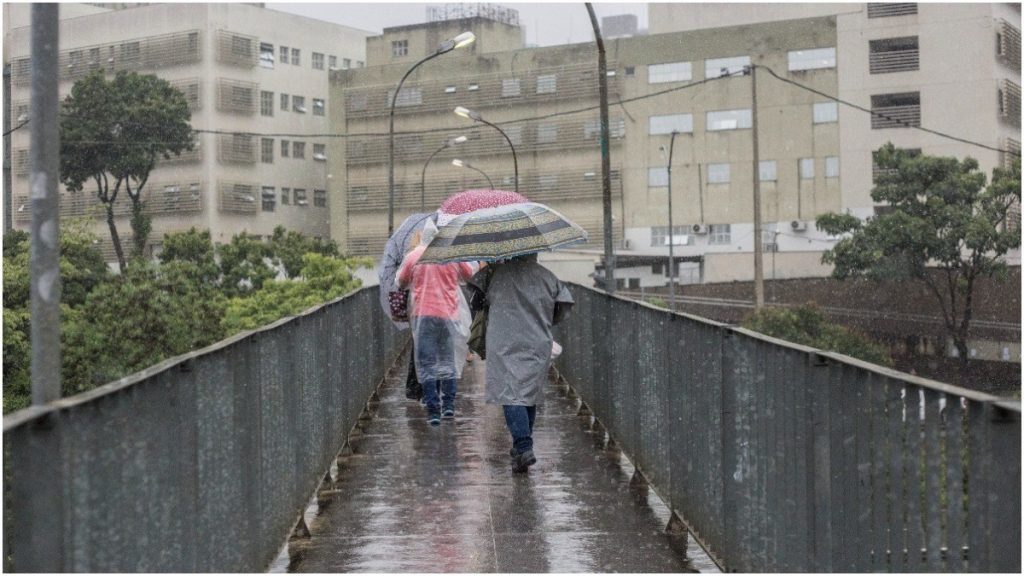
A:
[112,134]
[945,227]
[245,264]
[324,279]
[193,247]
[289,246]
[808,326]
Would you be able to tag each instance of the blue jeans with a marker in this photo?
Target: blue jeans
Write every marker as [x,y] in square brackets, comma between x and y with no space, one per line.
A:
[519,420]
[430,390]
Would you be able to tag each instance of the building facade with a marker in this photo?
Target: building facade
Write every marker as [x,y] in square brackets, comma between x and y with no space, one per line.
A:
[256,81]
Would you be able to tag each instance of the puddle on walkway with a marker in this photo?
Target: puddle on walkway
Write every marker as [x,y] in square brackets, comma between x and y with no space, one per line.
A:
[412,498]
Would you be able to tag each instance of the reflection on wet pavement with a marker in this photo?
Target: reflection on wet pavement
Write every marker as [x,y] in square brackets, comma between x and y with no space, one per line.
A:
[412,498]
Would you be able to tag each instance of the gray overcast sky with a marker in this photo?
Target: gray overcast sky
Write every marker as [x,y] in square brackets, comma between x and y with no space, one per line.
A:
[546,24]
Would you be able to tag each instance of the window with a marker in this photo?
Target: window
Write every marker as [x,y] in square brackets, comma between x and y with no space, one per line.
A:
[728,120]
[267,150]
[659,237]
[319,152]
[268,197]
[893,55]
[629,71]
[286,196]
[284,102]
[357,102]
[725,66]
[130,51]
[299,150]
[896,110]
[509,87]
[768,171]
[669,123]
[94,57]
[318,107]
[807,168]
[320,198]
[719,234]
[407,97]
[657,176]
[284,55]
[826,112]
[547,133]
[266,55]
[284,148]
[76,58]
[360,63]
[299,104]
[616,128]
[831,167]
[332,61]
[886,9]
[718,173]
[473,87]
[450,89]
[812,59]
[300,197]
[266,103]
[318,61]
[296,60]
[547,84]
[399,48]
[515,134]
[670,72]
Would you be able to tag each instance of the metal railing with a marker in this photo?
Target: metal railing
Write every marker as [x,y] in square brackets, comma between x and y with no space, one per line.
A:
[202,463]
[780,457]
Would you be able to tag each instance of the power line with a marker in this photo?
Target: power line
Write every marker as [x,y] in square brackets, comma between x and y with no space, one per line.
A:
[18,127]
[885,116]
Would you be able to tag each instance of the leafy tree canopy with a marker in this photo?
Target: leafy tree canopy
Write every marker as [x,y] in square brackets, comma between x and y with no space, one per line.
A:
[290,246]
[246,264]
[808,326]
[192,247]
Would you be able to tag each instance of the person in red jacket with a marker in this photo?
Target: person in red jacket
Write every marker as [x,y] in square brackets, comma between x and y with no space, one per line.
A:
[440,325]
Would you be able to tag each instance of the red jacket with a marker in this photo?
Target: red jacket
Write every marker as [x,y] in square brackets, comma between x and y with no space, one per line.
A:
[435,287]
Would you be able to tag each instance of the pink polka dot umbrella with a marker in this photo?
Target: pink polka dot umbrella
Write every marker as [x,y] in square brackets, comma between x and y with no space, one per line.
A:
[470,200]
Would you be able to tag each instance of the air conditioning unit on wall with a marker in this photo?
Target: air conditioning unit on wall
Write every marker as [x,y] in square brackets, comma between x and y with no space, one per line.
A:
[798,226]
[627,244]
[699,228]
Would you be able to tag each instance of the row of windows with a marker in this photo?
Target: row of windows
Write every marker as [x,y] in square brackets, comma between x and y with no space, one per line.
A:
[294,103]
[810,59]
[290,149]
[293,56]
[823,113]
[720,173]
[296,196]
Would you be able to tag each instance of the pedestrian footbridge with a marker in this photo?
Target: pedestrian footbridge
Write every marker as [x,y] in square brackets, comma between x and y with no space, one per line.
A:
[667,443]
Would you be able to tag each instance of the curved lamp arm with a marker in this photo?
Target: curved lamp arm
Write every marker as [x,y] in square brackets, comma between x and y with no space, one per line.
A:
[423,175]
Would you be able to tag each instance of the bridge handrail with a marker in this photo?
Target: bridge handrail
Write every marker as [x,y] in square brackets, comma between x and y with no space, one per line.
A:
[782,457]
[201,463]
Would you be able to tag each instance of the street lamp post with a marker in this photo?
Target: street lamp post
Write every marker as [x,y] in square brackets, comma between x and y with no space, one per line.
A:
[459,41]
[461,164]
[475,116]
[423,176]
[671,240]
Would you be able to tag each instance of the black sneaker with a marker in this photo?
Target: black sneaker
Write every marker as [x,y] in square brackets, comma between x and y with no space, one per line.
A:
[448,414]
[434,419]
[523,461]
[512,452]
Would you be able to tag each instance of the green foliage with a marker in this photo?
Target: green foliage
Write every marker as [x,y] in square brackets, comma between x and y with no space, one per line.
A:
[325,278]
[943,217]
[17,356]
[113,132]
[245,265]
[659,302]
[290,246]
[808,326]
[192,247]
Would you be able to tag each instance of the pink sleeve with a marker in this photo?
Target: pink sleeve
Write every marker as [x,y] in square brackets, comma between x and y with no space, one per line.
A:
[465,270]
[405,270]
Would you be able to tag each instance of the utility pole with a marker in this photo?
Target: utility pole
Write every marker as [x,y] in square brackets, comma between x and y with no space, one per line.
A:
[606,169]
[44,256]
[8,110]
[758,248]
[671,240]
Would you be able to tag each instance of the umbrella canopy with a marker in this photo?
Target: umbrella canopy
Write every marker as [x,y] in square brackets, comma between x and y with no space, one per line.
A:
[503,232]
[470,200]
[394,251]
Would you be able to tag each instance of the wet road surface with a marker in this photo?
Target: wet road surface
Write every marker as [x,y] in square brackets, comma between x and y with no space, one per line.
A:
[416,498]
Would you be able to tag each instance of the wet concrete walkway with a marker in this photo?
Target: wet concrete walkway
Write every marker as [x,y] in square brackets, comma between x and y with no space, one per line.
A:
[412,498]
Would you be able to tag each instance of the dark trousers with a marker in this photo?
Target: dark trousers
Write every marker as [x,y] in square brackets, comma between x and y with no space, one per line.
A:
[519,420]
[413,389]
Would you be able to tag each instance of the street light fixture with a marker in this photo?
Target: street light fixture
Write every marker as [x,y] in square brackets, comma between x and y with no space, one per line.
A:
[461,164]
[459,41]
[423,176]
[476,117]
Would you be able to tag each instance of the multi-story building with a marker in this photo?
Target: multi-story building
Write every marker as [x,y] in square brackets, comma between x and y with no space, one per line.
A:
[256,81]
[815,153]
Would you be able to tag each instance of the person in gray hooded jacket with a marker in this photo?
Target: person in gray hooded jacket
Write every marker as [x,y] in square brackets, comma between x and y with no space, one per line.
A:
[524,301]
